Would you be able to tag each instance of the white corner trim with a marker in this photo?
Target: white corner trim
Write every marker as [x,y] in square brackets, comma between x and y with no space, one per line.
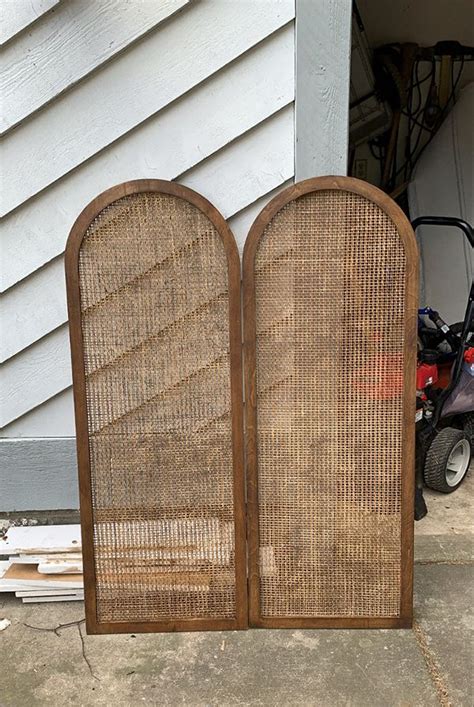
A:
[323,43]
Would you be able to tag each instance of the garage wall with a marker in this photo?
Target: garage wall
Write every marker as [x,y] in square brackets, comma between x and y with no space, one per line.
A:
[442,183]
[202,92]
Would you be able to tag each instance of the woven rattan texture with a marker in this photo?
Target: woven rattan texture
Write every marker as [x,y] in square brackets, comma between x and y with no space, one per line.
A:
[155,323]
[330,292]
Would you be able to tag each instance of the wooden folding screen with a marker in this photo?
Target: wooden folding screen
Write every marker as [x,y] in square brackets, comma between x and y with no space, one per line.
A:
[330,287]
[153,281]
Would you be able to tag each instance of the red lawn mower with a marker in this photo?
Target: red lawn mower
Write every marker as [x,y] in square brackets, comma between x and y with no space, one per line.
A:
[445,391]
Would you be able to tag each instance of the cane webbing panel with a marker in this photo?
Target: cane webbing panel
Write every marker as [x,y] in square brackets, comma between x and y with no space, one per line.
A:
[155,324]
[330,299]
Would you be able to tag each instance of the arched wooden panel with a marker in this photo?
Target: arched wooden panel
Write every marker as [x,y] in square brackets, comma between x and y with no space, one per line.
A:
[153,279]
[330,290]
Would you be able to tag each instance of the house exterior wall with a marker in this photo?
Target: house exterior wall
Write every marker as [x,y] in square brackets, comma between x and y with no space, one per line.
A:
[99,93]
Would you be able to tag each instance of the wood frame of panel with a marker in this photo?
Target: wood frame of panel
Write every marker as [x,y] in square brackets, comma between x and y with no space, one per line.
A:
[83,452]
[404,619]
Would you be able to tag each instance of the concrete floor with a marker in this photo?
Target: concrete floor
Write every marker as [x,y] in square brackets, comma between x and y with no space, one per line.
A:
[429,665]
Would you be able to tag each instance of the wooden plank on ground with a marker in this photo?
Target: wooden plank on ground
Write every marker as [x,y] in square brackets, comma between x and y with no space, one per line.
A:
[41,539]
[23,576]
[45,599]
[35,559]
[60,567]
[48,592]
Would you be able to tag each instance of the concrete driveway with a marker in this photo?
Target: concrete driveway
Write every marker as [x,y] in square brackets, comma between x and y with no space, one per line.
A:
[429,665]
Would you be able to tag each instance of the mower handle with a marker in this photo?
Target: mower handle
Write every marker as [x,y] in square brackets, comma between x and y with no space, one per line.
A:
[445,221]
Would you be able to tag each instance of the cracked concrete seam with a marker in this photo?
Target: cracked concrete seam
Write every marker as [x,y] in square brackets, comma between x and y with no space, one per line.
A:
[57,629]
[432,666]
[84,655]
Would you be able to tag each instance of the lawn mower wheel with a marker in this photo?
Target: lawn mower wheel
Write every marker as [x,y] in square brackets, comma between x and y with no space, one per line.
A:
[447,460]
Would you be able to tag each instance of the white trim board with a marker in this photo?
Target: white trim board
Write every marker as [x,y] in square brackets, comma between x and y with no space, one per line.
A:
[322,65]
[41,539]
[49,593]
[44,599]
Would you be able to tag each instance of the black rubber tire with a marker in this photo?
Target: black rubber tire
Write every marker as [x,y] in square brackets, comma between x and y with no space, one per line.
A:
[468,427]
[437,459]
[423,439]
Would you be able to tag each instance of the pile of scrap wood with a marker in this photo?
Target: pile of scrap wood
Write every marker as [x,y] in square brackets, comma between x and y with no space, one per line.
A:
[43,563]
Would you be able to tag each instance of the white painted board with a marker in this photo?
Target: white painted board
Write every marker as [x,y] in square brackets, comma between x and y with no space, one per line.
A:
[49,592]
[36,559]
[14,585]
[60,567]
[41,539]
[43,600]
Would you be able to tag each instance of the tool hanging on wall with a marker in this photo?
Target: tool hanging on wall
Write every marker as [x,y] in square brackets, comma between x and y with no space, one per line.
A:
[418,107]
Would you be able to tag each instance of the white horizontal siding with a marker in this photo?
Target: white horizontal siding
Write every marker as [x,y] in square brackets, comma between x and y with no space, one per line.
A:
[35,308]
[163,66]
[17,15]
[55,417]
[233,178]
[200,123]
[192,129]
[248,168]
[65,49]
[241,222]
[41,372]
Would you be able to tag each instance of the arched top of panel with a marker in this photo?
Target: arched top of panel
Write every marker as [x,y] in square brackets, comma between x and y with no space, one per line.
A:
[332,183]
[143,186]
